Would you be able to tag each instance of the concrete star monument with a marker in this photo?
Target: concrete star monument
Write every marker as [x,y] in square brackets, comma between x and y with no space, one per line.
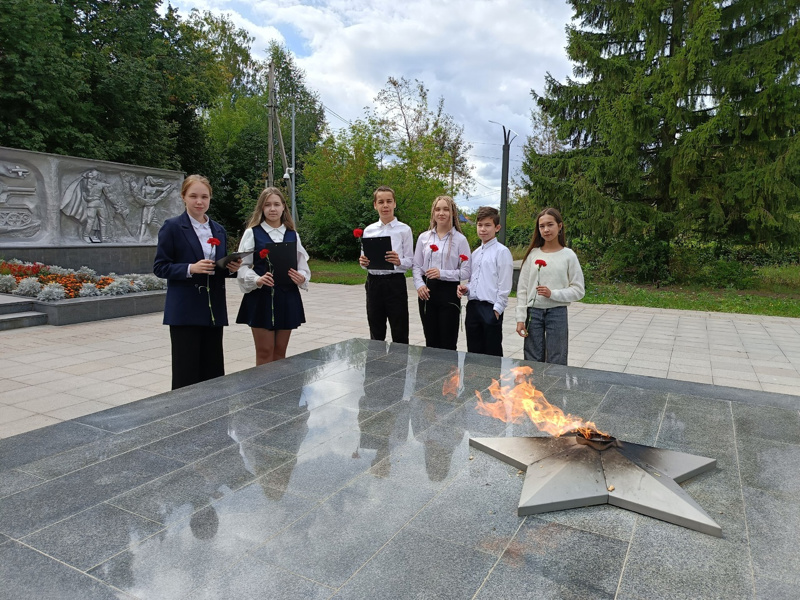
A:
[565,472]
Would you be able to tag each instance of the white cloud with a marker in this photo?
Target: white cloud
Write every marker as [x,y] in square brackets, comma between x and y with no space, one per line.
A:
[483,56]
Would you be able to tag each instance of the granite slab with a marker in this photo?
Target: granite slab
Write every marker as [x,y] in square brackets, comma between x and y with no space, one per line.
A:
[346,472]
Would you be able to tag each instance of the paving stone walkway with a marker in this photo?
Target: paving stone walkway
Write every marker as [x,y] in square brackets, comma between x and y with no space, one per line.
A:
[50,374]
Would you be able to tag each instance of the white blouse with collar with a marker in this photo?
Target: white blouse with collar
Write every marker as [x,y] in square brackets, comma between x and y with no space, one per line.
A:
[247,277]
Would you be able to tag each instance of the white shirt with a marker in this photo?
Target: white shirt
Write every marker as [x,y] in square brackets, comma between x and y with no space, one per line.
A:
[562,274]
[492,274]
[402,243]
[446,258]
[246,276]
[203,233]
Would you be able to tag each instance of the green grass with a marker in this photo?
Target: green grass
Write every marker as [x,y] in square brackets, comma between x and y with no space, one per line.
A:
[347,273]
[752,302]
[777,294]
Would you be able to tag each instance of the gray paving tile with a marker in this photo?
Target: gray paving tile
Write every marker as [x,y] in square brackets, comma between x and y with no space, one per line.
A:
[570,378]
[478,507]
[289,436]
[767,423]
[605,520]
[326,467]
[197,550]
[92,536]
[330,543]
[419,413]
[201,483]
[767,464]
[774,527]
[440,570]
[198,442]
[575,564]
[220,408]
[26,573]
[631,414]
[771,589]
[37,507]
[666,561]
[290,403]
[14,481]
[256,580]
[103,449]
[34,445]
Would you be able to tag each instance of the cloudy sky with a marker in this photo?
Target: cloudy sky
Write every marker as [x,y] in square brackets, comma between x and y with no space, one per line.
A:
[483,56]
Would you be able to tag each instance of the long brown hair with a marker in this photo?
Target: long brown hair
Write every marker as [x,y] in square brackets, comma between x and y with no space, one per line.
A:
[453,212]
[258,213]
[537,241]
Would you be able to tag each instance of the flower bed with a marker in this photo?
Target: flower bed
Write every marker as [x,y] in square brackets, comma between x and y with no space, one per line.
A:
[48,283]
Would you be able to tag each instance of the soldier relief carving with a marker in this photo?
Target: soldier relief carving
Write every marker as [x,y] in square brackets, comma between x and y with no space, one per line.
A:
[124,208]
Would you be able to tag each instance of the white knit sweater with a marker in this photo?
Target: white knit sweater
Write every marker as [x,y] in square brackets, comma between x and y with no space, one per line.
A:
[563,275]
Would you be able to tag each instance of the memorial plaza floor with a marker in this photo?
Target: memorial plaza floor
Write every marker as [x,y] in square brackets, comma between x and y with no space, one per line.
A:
[349,470]
[51,374]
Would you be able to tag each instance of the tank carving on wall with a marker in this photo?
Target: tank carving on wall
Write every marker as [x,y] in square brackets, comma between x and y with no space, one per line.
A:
[16,218]
[50,201]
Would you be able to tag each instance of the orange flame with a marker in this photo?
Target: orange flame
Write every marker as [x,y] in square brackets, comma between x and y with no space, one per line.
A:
[513,403]
[450,386]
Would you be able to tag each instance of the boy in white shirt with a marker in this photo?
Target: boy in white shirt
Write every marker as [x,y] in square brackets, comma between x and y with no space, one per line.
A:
[387,295]
[488,288]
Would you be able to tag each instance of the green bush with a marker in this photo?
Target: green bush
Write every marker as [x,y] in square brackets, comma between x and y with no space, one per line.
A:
[519,235]
[727,274]
[639,260]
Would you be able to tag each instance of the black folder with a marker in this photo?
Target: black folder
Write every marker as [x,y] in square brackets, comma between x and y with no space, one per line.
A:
[375,249]
[232,257]
[282,257]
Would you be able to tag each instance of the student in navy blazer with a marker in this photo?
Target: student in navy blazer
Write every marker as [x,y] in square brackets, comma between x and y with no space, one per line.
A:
[195,309]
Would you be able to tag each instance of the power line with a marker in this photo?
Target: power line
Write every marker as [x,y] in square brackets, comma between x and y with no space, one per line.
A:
[486,186]
[494,158]
[337,115]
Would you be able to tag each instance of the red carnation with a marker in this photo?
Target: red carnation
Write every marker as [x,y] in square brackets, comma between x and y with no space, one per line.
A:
[434,247]
[263,254]
[358,232]
[214,241]
[540,262]
[463,257]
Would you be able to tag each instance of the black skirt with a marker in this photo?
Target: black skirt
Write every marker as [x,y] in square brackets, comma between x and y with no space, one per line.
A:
[257,308]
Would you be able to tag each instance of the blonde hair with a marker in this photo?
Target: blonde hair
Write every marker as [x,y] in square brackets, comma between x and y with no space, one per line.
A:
[258,213]
[195,179]
[453,218]
[453,212]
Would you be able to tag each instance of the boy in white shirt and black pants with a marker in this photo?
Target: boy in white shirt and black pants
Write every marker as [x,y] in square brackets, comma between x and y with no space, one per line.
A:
[488,288]
[387,294]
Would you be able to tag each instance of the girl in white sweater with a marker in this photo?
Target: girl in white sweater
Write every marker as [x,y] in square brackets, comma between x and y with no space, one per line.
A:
[550,278]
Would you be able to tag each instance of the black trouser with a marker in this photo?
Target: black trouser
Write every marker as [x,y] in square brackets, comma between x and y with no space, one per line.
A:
[484,331]
[196,354]
[441,314]
[387,298]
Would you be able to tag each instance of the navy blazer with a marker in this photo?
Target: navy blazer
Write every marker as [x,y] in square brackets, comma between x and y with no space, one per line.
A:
[187,297]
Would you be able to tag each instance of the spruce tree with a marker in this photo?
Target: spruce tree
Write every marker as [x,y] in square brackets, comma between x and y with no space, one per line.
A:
[682,121]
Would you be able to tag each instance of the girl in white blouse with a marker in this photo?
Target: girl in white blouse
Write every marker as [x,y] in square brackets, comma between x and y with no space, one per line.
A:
[271,310]
[441,262]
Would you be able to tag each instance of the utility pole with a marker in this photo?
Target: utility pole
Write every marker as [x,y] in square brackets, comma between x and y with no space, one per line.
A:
[507,139]
[294,203]
[287,174]
[271,109]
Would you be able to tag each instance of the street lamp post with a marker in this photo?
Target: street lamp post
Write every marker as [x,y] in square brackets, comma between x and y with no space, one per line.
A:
[507,139]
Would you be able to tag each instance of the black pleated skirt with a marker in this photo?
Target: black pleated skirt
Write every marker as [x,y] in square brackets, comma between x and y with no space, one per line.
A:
[261,309]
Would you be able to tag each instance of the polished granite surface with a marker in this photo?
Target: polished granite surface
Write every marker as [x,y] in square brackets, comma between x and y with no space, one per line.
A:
[345,472]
